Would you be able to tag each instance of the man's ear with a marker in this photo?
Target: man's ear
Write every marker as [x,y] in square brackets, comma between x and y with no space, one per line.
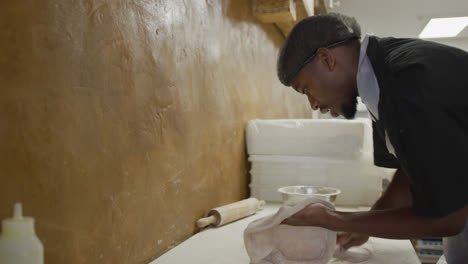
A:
[326,57]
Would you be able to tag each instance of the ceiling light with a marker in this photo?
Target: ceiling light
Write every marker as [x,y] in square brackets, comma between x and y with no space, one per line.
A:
[444,27]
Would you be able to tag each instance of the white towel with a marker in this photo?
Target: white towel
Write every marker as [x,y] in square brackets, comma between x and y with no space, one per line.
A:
[267,241]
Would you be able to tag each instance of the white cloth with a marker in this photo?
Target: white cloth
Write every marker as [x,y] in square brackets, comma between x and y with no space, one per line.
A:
[267,241]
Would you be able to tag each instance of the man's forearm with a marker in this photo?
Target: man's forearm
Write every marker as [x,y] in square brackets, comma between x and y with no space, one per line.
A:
[397,194]
[392,216]
[400,223]
[387,215]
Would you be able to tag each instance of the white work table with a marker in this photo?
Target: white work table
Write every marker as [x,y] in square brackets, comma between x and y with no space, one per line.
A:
[225,245]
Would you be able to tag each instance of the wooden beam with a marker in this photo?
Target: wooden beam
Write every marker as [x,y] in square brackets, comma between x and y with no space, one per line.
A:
[301,11]
[307,6]
[286,13]
[272,11]
[320,7]
[285,27]
[304,8]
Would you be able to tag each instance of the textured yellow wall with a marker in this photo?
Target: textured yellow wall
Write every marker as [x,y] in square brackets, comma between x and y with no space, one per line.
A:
[122,122]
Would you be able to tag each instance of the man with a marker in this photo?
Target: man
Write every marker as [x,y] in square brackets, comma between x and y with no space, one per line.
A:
[417,94]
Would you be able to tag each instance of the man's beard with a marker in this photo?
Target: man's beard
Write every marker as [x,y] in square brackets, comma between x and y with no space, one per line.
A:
[350,108]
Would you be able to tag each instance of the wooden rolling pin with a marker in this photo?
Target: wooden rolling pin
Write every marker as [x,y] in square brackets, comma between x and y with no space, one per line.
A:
[226,214]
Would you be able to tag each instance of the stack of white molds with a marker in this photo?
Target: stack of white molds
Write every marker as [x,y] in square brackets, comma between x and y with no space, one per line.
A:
[327,152]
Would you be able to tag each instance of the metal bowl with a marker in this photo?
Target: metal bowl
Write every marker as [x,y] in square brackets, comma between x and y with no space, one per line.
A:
[293,194]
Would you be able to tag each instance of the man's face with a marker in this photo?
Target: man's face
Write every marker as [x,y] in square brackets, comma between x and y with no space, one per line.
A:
[329,87]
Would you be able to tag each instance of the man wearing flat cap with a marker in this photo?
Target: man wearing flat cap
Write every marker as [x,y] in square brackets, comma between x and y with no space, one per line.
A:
[417,94]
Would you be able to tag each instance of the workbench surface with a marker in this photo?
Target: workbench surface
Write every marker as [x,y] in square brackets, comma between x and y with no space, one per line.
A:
[225,245]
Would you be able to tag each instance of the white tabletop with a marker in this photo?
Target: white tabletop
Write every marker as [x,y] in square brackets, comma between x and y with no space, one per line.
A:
[225,245]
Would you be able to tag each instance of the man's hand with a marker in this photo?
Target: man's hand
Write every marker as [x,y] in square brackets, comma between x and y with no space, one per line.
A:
[318,215]
[347,240]
[312,215]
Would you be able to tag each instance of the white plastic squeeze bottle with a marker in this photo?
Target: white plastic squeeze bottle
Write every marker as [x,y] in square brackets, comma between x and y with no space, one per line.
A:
[18,241]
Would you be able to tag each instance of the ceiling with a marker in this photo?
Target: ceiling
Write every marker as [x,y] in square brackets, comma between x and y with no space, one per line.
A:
[403,18]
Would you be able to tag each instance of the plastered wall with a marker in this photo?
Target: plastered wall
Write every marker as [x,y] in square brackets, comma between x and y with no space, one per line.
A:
[122,122]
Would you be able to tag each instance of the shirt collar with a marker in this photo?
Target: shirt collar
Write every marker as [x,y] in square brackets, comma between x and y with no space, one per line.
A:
[363,51]
[368,87]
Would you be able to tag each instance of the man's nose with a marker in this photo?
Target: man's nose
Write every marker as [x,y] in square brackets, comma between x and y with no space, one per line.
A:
[313,103]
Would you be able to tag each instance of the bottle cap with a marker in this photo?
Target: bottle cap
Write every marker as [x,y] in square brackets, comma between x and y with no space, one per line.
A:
[18,226]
